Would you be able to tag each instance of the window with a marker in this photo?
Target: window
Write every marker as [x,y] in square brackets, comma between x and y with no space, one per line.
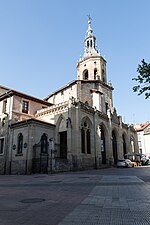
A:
[83,140]
[139,136]
[95,73]
[103,73]
[4,106]
[106,107]
[1,145]
[140,144]
[91,43]
[20,144]
[85,75]
[3,122]
[88,142]
[25,106]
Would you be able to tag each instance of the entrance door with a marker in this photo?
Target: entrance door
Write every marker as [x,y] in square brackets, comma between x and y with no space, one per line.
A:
[114,147]
[63,144]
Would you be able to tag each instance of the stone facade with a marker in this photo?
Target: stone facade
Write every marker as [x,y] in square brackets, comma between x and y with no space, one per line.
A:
[74,128]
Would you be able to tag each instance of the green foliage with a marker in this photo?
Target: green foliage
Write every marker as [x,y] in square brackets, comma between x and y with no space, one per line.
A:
[143,79]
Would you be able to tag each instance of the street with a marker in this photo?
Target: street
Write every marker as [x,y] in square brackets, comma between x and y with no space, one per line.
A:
[118,196]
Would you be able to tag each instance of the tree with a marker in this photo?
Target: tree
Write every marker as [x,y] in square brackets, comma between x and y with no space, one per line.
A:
[143,79]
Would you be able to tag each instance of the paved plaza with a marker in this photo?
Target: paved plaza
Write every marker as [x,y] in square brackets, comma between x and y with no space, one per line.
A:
[107,196]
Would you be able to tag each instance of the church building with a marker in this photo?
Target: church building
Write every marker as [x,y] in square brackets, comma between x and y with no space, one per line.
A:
[73,128]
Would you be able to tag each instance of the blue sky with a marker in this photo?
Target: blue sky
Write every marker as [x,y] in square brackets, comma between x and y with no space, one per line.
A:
[41,41]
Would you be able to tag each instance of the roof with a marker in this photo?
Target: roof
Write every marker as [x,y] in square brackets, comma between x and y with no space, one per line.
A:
[61,89]
[30,121]
[11,92]
[5,88]
[141,127]
[74,82]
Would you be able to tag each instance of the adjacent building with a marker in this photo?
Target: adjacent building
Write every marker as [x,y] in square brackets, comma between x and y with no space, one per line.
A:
[73,128]
[143,133]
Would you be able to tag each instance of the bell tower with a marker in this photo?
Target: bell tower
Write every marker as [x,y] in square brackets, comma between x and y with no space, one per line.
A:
[91,66]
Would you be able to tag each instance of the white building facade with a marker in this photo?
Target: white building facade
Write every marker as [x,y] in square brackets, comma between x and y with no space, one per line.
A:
[143,133]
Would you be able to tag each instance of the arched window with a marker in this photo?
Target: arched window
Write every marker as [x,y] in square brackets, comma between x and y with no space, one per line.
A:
[103,74]
[44,143]
[3,122]
[88,139]
[87,43]
[85,138]
[91,43]
[85,75]
[20,144]
[95,73]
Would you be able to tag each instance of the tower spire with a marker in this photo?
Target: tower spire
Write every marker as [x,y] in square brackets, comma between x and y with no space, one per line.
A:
[91,66]
[90,42]
[89,30]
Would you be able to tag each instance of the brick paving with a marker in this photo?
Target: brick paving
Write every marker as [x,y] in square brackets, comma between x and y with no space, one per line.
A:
[108,196]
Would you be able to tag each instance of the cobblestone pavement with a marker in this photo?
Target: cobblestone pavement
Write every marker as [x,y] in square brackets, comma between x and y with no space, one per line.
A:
[107,196]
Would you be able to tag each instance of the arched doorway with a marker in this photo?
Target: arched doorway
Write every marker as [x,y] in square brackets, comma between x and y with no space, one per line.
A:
[61,128]
[103,147]
[114,147]
[63,144]
[124,146]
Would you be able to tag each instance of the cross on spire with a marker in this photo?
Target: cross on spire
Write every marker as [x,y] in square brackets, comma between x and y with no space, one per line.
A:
[89,18]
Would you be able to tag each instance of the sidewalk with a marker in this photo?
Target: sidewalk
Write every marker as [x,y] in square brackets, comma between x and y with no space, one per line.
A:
[116,200]
[98,197]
